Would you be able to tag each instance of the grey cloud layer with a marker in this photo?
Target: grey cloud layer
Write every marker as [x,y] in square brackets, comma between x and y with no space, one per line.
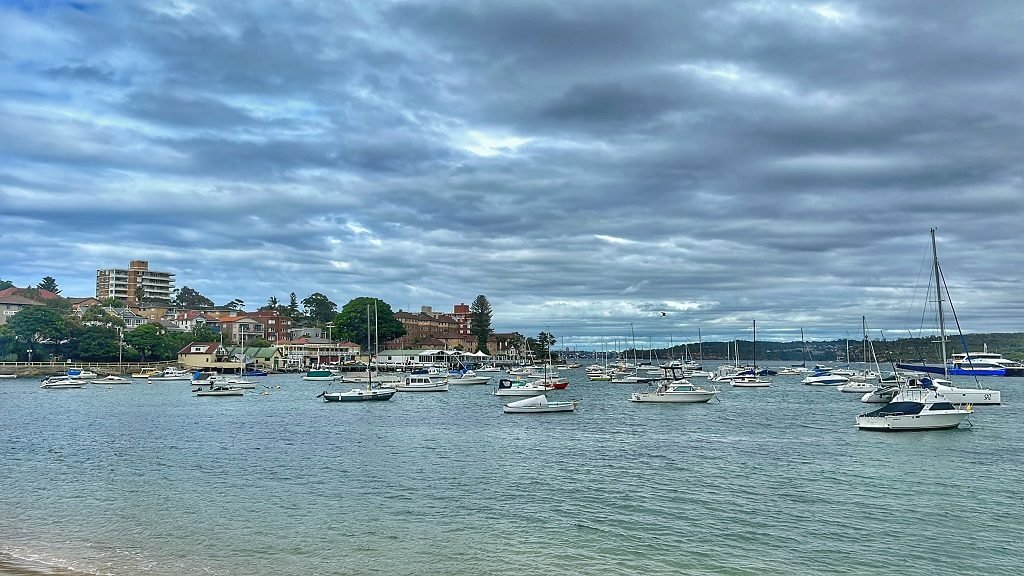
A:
[585,165]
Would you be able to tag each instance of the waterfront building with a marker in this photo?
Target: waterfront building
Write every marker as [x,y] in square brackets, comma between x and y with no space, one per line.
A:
[11,304]
[134,284]
[264,357]
[461,314]
[208,356]
[310,351]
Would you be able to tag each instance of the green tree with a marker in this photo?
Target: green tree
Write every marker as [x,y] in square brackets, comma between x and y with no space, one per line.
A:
[36,324]
[49,284]
[480,321]
[235,304]
[98,314]
[258,343]
[148,340]
[293,307]
[5,284]
[201,333]
[271,304]
[350,323]
[319,308]
[96,344]
[188,298]
[111,302]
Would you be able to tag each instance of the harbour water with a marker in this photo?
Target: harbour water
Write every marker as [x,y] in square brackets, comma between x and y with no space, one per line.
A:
[149,479]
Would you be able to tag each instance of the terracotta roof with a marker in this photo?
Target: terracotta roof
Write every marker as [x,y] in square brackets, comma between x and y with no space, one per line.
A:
[39,292]
[18,299]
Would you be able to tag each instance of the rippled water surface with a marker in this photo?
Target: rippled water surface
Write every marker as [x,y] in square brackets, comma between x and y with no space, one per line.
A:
[148,479]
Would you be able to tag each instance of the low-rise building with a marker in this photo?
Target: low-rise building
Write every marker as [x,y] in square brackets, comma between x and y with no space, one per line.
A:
[310,351]
[11,304]
[207,356]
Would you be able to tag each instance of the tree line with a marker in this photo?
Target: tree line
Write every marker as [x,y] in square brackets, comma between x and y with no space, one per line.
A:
[54,331]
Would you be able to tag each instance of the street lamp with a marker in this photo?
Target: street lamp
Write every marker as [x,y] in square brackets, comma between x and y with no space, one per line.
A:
[329,325]
[29,355]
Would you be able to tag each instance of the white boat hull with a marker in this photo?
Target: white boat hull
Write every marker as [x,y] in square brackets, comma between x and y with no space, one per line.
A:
[443,387]
[673,397]
[470,380]
[225,392]
[857,387]
[520,391]
[970,395]
[912,422]
[551,407]
[824,380]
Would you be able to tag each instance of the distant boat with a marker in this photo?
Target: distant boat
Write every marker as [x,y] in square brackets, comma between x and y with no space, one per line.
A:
[320,376]
[538,405]
[676,392]
[8,375]
[421,383]
[508,387]
[254,372]
[173,375]
[108,380]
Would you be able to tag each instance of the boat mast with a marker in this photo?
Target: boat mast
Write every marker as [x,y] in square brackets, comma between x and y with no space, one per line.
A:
[700,349]
[938,303]
[753,347]
[369,352]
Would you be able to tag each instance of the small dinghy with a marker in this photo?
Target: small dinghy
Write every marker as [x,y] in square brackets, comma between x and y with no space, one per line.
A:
[538,404]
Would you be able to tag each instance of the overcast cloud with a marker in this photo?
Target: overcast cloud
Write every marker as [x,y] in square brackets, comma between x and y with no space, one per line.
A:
[586,165]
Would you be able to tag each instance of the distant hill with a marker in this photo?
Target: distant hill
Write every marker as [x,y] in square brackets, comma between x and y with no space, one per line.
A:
[1010,345]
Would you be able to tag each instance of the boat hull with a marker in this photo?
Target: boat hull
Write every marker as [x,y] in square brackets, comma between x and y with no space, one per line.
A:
[672,397]
[360,395]
[431,388]
[955,371]
[220,393]
[551,407]
[911,423]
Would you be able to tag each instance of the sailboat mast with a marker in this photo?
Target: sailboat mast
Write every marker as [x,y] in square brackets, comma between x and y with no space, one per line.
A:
[864,328]
[700,349]
[938,303]
[753,347]
[369,352]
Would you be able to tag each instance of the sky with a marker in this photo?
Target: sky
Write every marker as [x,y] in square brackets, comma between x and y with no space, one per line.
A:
[599,170]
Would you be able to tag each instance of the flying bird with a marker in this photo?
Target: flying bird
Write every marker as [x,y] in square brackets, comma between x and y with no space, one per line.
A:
[663,314]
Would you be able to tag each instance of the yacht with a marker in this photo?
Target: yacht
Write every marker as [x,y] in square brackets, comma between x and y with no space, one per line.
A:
[679,391]
[914,409]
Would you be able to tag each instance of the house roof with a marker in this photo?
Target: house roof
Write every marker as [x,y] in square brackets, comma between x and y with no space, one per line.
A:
[264,352]
[38,293]
[18,299]
[208,348]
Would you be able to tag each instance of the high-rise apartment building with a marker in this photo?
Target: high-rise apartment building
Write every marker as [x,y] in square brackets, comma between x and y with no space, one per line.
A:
[136,284]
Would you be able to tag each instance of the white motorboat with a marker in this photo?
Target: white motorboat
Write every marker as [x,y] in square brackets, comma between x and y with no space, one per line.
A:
[173,375]
[56,382]
[421,383]
[360,395]
[488,370]
[749,382]
[679,391]
[914,409]
[468,377]
[824,379]
[508,387]
[79,374]
[219,390]
[538,405]
[8,375]
[855,387]
[108,380]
